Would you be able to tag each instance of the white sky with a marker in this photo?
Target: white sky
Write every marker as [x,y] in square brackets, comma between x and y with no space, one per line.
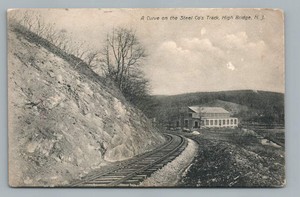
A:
[191,56]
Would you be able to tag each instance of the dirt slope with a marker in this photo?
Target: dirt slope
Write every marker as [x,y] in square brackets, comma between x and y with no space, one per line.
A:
[62,124]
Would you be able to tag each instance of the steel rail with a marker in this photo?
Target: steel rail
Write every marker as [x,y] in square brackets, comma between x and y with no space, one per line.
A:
[139,168]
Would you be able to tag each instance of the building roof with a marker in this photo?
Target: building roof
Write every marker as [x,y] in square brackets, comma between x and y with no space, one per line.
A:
[203,110]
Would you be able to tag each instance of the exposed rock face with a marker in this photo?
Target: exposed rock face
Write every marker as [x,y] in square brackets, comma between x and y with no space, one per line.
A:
[61,123]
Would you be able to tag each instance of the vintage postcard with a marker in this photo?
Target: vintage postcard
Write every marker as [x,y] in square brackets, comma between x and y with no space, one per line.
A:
[146,98]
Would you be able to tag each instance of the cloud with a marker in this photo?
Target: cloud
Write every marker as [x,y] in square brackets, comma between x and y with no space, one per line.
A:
[203,46]
[230,66]
[196,43]
[191,64]
[240,41]
[237,40]
[172,47]
[184,65]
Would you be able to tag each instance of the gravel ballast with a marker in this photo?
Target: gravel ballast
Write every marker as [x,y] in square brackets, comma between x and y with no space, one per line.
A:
[171,173]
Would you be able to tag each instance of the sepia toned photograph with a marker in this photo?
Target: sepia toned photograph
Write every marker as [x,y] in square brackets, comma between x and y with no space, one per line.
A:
[180,98]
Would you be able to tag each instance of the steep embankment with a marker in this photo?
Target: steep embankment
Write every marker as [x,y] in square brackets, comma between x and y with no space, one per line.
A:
[63,121]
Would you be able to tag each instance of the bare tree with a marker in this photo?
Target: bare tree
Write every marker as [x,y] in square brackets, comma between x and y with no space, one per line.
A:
[33,21]
[121,54]
[121,60]
[27,19]
[92,58]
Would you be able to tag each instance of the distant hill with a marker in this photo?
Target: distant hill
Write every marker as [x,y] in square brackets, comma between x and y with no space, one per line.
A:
[233,108]
[248,105]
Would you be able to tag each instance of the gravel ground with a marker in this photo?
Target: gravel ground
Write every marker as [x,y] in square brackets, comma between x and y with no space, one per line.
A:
[170,174]
[234,158]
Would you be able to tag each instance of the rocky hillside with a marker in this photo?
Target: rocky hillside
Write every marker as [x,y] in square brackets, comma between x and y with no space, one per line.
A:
[64,120]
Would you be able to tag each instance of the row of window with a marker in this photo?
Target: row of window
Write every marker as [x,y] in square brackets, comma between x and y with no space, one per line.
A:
[212,115]
[210,122]
[221,122]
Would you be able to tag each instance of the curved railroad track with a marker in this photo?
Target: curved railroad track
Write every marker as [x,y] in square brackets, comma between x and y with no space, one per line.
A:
[134,171]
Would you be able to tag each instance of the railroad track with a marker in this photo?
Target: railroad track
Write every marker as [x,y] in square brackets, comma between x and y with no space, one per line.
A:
[138,169]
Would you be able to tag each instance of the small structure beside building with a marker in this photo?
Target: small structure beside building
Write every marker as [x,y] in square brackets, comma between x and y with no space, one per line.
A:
[197,117]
